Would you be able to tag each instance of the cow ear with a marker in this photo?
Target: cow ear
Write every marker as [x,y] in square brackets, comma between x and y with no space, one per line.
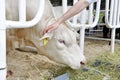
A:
[45,38]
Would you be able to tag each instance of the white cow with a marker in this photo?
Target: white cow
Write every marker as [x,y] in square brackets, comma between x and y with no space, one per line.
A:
[62,47]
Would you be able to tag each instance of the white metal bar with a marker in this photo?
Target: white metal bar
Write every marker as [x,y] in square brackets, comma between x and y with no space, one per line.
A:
[90,17]
[82,31]
[108,20]
[83,24]
[103,39]
[2,14]
[118,13]
[95,21]
[3,53]
[82,38]
[64,5]
[115,13]
[111,11]
[113,17]
[112,21]
[112,40]
[108,17]
[2,41]
[16,24]
[97,13]
[22,11]
[75,17]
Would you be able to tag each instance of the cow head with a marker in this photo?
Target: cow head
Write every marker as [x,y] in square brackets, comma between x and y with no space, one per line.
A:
[62,47]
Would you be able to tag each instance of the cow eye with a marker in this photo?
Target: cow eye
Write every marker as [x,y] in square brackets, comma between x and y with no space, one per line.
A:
[62,41]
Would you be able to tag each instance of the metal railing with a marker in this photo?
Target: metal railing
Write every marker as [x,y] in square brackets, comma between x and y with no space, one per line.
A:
[22,23]
[112,18]
[93,17]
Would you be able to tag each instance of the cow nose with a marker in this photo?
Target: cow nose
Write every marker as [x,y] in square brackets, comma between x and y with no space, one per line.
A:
[83,62]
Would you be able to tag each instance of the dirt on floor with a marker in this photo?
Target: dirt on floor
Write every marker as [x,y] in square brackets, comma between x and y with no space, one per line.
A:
[32,66]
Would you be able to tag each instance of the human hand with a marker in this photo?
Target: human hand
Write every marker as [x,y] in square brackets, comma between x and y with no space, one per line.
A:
[51,28]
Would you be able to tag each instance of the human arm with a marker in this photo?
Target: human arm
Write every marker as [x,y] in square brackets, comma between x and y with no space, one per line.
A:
[77,7]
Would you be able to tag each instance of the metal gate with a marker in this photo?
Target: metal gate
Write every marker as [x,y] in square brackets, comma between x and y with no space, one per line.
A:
[22,23]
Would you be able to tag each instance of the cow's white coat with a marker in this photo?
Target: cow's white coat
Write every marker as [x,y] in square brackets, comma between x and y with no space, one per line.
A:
[62,47]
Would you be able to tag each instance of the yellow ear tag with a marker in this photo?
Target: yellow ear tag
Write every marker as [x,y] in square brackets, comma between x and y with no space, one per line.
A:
[45,41]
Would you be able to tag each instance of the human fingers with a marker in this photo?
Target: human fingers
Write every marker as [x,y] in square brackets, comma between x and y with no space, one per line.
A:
[47,29]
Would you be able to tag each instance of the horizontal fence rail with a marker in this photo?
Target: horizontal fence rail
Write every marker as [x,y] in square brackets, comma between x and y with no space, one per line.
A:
[22,23]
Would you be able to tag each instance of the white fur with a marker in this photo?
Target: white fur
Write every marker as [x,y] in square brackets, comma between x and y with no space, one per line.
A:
[62,47]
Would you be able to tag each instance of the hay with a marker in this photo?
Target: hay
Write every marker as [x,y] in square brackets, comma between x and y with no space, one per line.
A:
[101,65]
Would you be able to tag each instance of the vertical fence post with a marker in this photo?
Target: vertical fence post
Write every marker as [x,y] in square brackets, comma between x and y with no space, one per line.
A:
[82,31]
[112,40]
[64,4]
[22,11]
[2,41]
[75,17]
